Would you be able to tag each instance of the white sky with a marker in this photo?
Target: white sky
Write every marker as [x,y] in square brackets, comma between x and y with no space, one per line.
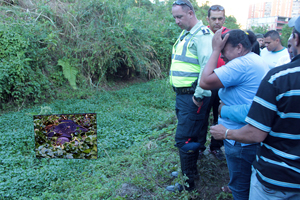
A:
[238,8]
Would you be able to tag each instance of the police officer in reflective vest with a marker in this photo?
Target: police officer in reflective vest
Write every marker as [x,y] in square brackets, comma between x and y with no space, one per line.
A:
[190,54]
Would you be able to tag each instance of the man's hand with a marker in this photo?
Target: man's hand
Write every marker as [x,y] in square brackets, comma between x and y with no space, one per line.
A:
[217,42]
[218,131]
[199,104]
[220,107]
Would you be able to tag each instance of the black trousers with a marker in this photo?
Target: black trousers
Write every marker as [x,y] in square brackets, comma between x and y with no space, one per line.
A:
[190,119]
[190,122]
[214,104]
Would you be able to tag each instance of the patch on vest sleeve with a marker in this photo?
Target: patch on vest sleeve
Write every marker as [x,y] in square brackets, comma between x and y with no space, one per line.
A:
[205,31]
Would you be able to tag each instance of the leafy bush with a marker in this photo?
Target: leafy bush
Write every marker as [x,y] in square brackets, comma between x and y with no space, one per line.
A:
[109,37]
[22,56]
[44,44]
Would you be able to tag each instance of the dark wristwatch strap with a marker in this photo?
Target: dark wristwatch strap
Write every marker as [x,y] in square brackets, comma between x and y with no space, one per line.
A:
[198,99]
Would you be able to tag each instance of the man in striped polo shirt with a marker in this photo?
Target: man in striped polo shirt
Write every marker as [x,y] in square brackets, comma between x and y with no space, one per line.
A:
[274,119]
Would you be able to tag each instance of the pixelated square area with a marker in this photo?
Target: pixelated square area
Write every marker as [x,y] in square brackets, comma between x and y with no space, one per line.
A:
[70,136]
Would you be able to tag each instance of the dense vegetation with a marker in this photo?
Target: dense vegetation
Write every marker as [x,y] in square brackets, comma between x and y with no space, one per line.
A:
[136,152]
[60,55]
[48,48]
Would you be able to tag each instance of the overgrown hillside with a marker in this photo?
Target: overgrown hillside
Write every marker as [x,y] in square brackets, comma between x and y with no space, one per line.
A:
[50,47]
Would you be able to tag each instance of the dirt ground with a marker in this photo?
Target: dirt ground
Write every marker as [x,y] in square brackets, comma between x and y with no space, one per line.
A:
[213,172]
[213,175]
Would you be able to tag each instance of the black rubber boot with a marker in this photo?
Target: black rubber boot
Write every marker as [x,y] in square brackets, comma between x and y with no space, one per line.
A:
[189,167]
[188,154]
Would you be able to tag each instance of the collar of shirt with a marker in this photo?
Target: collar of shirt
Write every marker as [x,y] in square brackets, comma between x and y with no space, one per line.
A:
[192,31]
[184,34]
[224,29]
[199,24]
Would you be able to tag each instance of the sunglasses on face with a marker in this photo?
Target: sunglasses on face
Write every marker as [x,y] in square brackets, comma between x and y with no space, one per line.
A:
[178,2]
[217,8]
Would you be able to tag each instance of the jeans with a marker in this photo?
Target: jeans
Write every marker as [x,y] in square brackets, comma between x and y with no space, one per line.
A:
[259,191]
[239,160]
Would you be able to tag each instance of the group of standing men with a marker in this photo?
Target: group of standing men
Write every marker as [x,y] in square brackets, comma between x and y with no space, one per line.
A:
[190,54]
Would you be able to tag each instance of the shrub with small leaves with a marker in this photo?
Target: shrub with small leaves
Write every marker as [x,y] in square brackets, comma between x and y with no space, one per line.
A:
[23,53]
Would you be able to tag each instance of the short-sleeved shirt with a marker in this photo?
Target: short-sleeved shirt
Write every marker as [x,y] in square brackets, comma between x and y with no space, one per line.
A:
[283,60]
[272,57]
[240,78]
[201,45]
[275,109]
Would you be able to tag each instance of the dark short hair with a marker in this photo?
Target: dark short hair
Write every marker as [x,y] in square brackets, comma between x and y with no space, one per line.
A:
[237,36]
[215,7]
[273,35]
[259,35]
[185,4]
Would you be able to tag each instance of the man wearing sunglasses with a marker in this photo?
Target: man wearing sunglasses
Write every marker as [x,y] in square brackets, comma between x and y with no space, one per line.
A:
[215,19]
[190,54]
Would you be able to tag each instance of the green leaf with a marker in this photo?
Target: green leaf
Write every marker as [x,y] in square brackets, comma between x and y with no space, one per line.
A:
[87,151]
[69,72]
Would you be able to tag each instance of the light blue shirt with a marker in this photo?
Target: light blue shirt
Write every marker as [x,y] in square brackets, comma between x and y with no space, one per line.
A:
[236,113]
[241,78]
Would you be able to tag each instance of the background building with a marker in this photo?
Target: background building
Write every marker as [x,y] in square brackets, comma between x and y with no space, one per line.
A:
[274,23]
[296,8]
[272,13]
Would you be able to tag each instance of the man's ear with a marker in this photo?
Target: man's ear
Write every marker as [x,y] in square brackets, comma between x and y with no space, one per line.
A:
[207,19]
[191,13]
[297,40]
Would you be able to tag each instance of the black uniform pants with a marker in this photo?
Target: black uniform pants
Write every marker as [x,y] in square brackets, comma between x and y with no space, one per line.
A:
[214,104]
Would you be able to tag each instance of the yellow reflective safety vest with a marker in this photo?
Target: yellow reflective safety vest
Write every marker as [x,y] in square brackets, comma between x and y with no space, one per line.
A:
[185,67]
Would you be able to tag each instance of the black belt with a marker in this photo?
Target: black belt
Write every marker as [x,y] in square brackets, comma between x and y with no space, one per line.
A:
[184,90]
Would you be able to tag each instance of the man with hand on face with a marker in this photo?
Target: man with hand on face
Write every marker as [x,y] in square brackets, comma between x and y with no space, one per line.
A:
[215,19]
[190,54]
[274,50]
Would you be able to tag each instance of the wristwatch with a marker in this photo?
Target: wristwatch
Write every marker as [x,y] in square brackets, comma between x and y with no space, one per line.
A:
[198,99]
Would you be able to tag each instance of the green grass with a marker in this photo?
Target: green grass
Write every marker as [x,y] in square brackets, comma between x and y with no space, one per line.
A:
[136,153]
